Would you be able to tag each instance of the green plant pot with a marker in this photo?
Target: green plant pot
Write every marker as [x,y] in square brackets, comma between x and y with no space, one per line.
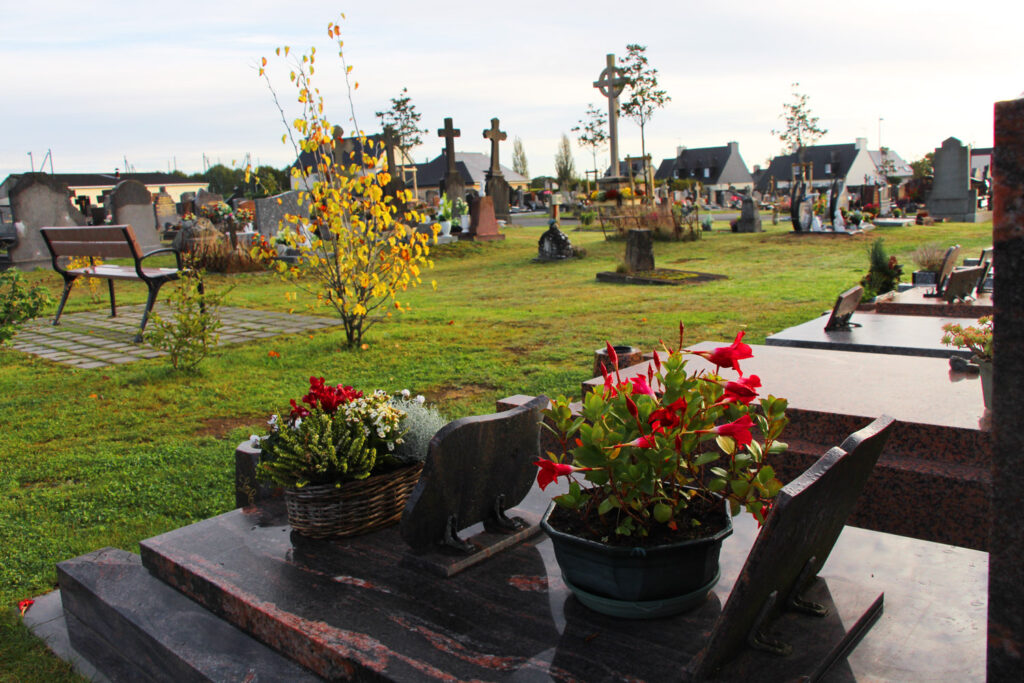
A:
[985,372]
[637,582]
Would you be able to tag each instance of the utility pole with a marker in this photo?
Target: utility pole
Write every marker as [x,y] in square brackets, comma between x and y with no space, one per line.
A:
[32,161]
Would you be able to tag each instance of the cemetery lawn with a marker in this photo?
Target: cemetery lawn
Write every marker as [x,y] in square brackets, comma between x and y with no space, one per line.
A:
[111,456]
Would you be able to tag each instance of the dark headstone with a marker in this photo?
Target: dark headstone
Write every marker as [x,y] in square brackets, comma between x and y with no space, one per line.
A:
[951,196]
[270,212]
[1006,544]
[476,469]
[639,251]
[452,185]
[554,245]
[204,198]
[498,189]
[844,308]
[796,198]
[132,204]
[961,283]
[750,217]
[201,231]
[483,226]
[948,264]
[39,201]
[804,524]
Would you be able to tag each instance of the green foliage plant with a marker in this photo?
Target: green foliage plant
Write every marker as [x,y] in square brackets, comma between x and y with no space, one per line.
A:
[565,167]
[404,120]
[801,129]
[18,302]
[884,271]
[976,338]
[192,330]
[656,462]
[418,427]
[359,250]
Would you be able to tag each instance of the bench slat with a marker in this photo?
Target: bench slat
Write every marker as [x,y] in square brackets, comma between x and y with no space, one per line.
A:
[118,249]
[121,272]
[112,241]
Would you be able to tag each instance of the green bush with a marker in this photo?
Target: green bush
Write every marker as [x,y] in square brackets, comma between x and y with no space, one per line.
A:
[317,449]
[192,330]
[884,271]
[18,303]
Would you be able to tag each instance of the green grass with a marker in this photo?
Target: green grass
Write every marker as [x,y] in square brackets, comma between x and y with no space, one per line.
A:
[107,457]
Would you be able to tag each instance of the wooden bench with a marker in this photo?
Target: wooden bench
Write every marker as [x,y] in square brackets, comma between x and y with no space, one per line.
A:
[107,241]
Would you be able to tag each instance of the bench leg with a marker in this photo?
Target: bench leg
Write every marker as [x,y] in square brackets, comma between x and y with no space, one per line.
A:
[150,301]
[113,303]
[68,283]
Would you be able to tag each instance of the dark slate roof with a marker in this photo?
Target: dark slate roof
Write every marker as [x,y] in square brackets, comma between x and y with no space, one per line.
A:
[472,166]
[73,180]
[350,150]
[841,157]
[724,166]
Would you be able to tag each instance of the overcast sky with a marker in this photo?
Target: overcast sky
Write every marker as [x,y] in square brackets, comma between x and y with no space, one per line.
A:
[162,84]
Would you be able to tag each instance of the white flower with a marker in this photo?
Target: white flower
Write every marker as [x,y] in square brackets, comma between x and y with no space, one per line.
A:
[273,421]
[421,398]
[254,440]
[295,425]
[405,393]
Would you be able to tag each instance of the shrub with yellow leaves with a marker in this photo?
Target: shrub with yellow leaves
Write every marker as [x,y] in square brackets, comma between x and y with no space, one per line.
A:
[358,246]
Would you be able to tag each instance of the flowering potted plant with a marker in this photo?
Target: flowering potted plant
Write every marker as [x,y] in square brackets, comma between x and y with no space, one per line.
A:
[444,214]
[979,341]
[656,461]
[343,460]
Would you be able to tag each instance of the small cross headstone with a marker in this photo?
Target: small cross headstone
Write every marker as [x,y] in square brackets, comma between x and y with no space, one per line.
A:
[396,184]
[453,185]
[610,83]
[495,135]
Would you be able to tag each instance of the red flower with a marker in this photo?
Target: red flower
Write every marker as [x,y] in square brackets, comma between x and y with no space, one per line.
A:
[668,417]
[642,441]
[297,410]
[328,398]
[728,356]
[742,390]
[640,386]
[738,430]
[612,356]
[24,605]
[548,471]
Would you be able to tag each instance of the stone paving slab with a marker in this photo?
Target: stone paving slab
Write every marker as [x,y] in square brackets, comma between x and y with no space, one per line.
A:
[92,339]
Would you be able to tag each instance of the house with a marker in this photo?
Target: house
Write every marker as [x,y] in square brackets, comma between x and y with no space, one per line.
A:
[852,163]
[95,185]
[897,165]
[348,151]
[472,166]
[718,169]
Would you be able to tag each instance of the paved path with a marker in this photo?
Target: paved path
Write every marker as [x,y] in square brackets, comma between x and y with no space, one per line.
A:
[92,339]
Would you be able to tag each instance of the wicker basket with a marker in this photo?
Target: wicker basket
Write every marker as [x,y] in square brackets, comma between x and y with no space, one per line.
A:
[354,508]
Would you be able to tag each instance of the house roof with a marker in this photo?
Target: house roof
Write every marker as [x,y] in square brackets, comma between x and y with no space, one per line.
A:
[839,158]
[724,165]
[472,166]
[73,180]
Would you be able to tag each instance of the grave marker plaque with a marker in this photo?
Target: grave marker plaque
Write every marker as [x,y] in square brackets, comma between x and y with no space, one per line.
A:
[844,308]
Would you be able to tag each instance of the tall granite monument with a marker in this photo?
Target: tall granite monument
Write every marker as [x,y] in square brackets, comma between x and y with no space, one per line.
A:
[496,187]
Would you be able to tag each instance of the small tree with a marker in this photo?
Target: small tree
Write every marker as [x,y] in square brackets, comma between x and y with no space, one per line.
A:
[593,132]
[923,166]
[565,167]
[644,96]
[191,330]
[358,249]
[405,121]
[18,302]
[519,158]
[801,129]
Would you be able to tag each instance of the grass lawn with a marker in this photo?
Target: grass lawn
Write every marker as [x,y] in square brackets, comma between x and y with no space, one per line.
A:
[107,457]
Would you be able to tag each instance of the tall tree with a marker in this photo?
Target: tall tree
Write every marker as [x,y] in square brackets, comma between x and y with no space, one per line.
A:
[405,121]
[565,167]
[519,158]
[802,129]
[593,131]
[644,95]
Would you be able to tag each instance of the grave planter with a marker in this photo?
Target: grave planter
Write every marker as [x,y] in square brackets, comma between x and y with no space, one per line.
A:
[638,582]
[353,508]
[446,227]
[923,277]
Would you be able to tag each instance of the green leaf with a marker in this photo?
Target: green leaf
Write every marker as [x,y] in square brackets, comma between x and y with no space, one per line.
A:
[705,458]
[766,474]
[719,472]
[716,485]
[740,487]
[607,505]
[726,443]
[662,512]
[778,447]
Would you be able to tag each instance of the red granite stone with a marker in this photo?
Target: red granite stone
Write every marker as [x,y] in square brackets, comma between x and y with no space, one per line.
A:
[483,226]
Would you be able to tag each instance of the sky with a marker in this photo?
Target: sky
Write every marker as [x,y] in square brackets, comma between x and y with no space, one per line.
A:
[162,86]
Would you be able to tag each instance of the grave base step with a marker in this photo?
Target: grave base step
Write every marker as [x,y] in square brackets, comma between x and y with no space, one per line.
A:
[133,627]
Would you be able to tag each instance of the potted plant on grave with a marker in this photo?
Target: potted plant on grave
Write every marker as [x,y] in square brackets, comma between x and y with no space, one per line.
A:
[460,210]
[928,258]
[658,465]
[347,461]
[979,340]
[444,215]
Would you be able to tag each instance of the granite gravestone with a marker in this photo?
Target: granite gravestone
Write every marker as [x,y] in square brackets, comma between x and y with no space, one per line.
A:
[38,201]
[452,185]
[270,212]
[483,226]
[951,196]
[205,199]
[948,264]
[396,184]
[796,200]
[166,211]
[750,217]
[798,534]
[496,186]
[844,308]
[961,283]
[131,204]
[639,251]
[554,245]
[477,469]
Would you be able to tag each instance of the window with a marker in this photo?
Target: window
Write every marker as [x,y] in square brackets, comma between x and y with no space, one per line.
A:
[828,168]
[707,172]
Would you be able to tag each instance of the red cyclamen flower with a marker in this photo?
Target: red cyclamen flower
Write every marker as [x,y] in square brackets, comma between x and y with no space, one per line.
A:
[548,471]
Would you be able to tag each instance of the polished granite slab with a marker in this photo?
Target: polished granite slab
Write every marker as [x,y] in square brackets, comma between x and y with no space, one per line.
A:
[904,335]
[914,302]
[352,608]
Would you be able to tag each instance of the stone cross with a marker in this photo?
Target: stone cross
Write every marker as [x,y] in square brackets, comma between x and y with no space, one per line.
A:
[611,82]
[449,134]
[495,136]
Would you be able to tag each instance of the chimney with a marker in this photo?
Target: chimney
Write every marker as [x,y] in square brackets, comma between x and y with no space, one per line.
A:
[757,168]
[680,149]
[734,147]
[861,143]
